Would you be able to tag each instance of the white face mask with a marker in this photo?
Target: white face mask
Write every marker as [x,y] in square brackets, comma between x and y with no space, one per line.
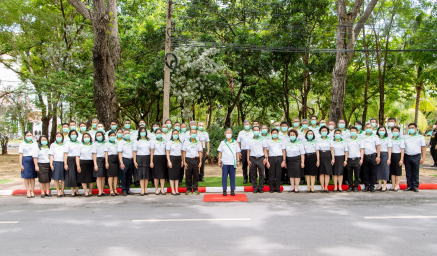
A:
[391,124]
[228,136]
[434,126]
[331,127]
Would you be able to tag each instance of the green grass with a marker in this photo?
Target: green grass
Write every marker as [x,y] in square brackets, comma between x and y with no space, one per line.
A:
[5,181]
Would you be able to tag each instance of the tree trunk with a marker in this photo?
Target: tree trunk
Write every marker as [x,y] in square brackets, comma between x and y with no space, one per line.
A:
[54,124]
[419,89]
[368,71]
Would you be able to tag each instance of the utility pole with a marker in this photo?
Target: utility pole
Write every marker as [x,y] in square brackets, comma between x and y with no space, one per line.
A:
[166,101]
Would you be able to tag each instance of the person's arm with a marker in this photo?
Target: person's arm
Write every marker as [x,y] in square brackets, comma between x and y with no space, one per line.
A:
[332,156]
[152,153]
[167,153]
[207,149]
[51,162]
[238,156]
[78,164]
[120,160]
[401,162]
[248,157]
[389,157]
[65,161]
[422,159]
[362,156]
[134,156]
[266,155]
[200,157]
[35,162]
[378,154]
[106,160]
[284,159]
[96,167]
[302,161]
[219,159]
[346,154]
[183,159]
[318,158]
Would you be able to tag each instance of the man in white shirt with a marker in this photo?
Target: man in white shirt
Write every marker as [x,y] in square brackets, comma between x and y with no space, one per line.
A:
[372,157]
[392,123]
[255,159]
[415,152]
[242,139]
[191,154]
[203,136]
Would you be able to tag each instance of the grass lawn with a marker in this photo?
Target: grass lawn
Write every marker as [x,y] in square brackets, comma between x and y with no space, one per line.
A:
[5,181]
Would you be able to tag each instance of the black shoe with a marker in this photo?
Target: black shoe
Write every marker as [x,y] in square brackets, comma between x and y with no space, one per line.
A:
[350,189]
[271,191]
[355,189]
[245,181]
[383,190]
[372,189]
[124,193]
[72,195]
[335,191]
[77,194]
[42,195]
[87,195]
[99,195]
[255,190]
[379,189]
[202,180]
[232,193]
[104,194]
[142,194]
[279,191]
[415,190]
[225,193]
[365,189]
[260,190]
[49,195]
[129,193]
[408,189]
[58,196]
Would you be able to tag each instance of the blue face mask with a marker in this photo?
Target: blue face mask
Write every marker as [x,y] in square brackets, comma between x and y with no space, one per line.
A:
[164,130]
[293,138]
[324,134]
[44,142]
[305,126]
[368,130]
[278,128]
[358,126]
[193,136]
[411,131]
[341,126]
[127,136]
[169,126]
[193,127]
[175,137]
[100,129]
[65,130]
[284,129]
[264,131]
[73,128]
[184,129]
[296,124]
[82,128]
[310,136]
[99,138]
[155,128]
[274,135]
[395,134]
[29,138]
[86,140]
[256,133]
[353,134]
[201,128]
[337,136]
[127,126]
[73,137]
[142,124]
[58,139]
[113,127]
[177,128]
[373,124]
[247,127]
[313,122]
[120,135]
[112,138]
[94,126]
[143,134]
[158,136]
[381,133]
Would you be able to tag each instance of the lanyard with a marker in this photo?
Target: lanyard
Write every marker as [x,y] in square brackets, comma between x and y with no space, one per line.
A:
[235,160]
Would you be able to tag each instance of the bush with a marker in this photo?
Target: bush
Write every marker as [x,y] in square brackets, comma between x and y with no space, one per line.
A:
[216,135]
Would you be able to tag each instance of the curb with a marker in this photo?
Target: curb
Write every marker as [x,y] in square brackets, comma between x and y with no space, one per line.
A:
[422,186]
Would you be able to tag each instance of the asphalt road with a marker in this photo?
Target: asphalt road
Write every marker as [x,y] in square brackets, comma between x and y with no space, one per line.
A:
[299,224]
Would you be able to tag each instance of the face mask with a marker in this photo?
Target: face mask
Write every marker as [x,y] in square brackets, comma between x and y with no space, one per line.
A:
[177,128]
[94,125]
[395,134]
[142,124]
[65,130]
[292,138]
[169,126]
[120,135]
[155,128]
[331,127]
[305,126]
[284,129]
[256,133]
[114,127]
[324,134]
[411,131]
[353,134]
[228,136]
[44,142]
[201,128]
[73,137]
[100,129]
[391,124]
[73,128]
[193,127]
[337,136]
[310,136]
[127,136]
[296,124]
[373,124]
[274,135]
[434,126]
[175,137]
[99,138]
[358,126]
[58,139]
[143,134]
[193,136]
[368,130]
[278,128]
[313,122]
[158,136]
[82,129]
[184,129]
[341,126]
[112,138]
[247,127]
[127,126]
[29,138]
[322,124]
[86,140]
[164,130]
[264,131]
[381,133]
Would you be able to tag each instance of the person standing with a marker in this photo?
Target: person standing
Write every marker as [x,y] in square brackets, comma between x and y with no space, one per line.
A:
[296,123]
[203,136]
[94,130]
[82,131]
[27,150]
[229,152]
[275,156]
[295,153]
[313,126]
[355,159]
[73,126]
[191,154]
[111,162]
[242,139]
[255,160]
[65,130]
[125,158]
[372,157]
[56,153]
[42,166]
[311,160]
[383,168]
[415,152]
[283,135]
[128,127]
[113,128]
[173,151]
[391,122]
[166,133]
[152,134]
[339,146]
[433,145]
[331,126]
[305,128]
[360,133]
[397,158]
[158,161]
[141,158]
[98,150]
[71,150]
[266,136]
[85,164]
[374,124]
[326,156]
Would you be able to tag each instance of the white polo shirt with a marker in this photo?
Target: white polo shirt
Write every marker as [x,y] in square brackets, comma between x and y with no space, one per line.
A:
[310,146]
[340,147]
[203,136]
[175,147]
[354,147]
[323,144]
[111,148]
[295,148]
[385,144]
[192,149]
[397,145]
[72,148]
[57,151]
[85,152]
[345,134]
[228,157]
[126,148]
[274,147]
[42,155]
[243,138]
[99,148]
[256,146]
[142,147]
[283,136]
[414,144]
[28,149]
[159,147]
[370,142]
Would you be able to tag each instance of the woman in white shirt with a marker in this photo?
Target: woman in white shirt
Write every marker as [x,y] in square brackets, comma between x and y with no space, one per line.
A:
[84,163]
[26,152]
[383,168]
[173,151]
[111,162]
[56,153]
[311,160]
[326,157]
[42,165]
[397,158]
[229,152]
[340,151]
[158,161]
[71,149]
[98,150]
[275,156]
[295,163]
[141,157]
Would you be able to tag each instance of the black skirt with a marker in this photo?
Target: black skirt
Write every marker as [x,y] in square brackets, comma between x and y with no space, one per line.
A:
[44,174]
[113,166]
[86,171]
[395,169]
[174,172]
[293,167]
[325,163]
[101,172]
[311,165]
[70,174]
[338,165]
[142,173]
[160,165]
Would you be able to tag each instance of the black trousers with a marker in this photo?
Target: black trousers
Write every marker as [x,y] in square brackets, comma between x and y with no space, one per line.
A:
[434,153]
[202,168]
[244,162]
[192,173]
[353,168]
[126,174]
[266,175]
[369,170]
[284,175]
[412,164]
[275,172]
[257,165]
[181,174]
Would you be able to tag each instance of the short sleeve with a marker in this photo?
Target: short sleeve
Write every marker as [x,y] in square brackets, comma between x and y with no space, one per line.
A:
[377,141]
[284,144]
[120,147]
[361,144]
[331,144]
[302,149]
[220,147]
[207,137]
[66,148]
[135,147]
[199,147]
[239,138]
[184,146]
[35,152]
[265,143]
[20,148]
[317,146]
[94,149]
[422,142]
[346,148]
[152,145]
[403,144]
[51,150]
[238,148]
[390,144]
[168,145]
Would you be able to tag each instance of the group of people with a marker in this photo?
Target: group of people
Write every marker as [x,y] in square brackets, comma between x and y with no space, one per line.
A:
[365,153]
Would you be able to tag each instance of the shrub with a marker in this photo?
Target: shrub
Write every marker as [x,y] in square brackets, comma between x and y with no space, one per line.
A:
[216,135]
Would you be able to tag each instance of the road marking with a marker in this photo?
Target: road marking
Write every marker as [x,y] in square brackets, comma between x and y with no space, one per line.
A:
[9,222]
[172,220]
[401,217]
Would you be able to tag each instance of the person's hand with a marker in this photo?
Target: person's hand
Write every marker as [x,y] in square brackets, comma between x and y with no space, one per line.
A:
[268,164]
[238,164]
[345,163]
[51,167]
[37,168]
[264,161]
[169,165]
[185,165]
[401,163]
[378,160]
[122,166]
[332,161]
[249,163]
[436,147]
[302,165]
[361,162]
[79,169]
[388,162]
[96,168]
[318,164]
[200,164]
[219,164]
[207,154]
[422,160]
[107,166]
[283,164]
[151,165]
[66,167]
[136,165]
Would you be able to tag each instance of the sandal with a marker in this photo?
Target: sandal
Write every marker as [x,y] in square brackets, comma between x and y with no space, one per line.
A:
[163,193]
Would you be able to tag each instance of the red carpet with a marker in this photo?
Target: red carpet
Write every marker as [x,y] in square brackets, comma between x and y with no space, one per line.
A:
[421,186]
[221,198]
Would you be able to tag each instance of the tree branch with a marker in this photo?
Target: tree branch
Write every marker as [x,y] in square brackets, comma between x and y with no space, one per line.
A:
[82,9]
